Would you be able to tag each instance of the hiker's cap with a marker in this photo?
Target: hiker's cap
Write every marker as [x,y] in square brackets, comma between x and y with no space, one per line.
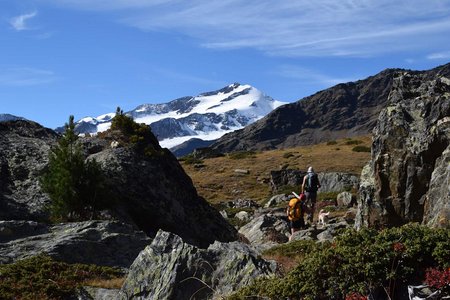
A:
[310,170]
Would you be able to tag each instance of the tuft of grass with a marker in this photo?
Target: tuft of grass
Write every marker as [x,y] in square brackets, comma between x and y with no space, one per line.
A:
[288,154]
[332,143]
[41,277]
[361,149]
[190,160]
[353,142]
[114,283]
[241,154]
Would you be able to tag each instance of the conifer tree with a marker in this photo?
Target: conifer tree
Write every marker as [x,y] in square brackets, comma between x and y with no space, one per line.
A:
[76,187]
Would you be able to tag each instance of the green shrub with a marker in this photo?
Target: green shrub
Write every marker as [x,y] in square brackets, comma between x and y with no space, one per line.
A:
[358,262]
[361,149]
[139,136]
[41,277]
[327,196]
[288,189]
[77,188]
[293,249]
[331,143]
[191,160]
[353,142]
[241,154]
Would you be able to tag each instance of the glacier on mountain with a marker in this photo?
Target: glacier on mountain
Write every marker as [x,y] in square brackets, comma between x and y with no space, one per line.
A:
[207,116]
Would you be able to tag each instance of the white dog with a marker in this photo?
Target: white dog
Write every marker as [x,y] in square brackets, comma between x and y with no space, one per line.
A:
[323,217]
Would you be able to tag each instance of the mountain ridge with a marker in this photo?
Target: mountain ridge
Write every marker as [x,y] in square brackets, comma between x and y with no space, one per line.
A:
[344,110]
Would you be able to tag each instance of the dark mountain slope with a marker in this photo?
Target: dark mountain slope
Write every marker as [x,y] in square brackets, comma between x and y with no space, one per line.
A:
[345,110]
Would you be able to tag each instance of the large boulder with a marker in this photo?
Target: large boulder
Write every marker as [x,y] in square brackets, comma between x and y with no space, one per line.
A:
[407,178]
[172,269]
[24,147]
[155,193]
[267,229]
[105,243]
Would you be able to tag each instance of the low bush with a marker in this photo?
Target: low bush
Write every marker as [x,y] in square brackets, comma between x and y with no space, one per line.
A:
[241,154]
[357,263]
[41,277]
[191,160]
[361,149]
[139,136]
[353,142]
[332,143]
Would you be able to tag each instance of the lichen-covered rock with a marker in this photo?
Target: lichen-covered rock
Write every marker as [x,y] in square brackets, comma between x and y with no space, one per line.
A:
[155,193]
[24,147]
[13,230]
[93,242]
[437,200]
[337,182]
[330,182]
[277,199]
[267,229]
[344,199]
[172,269]
[408,146]
[290,177]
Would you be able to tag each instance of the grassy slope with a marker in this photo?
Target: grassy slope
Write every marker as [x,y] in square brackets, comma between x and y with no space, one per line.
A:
[216,181]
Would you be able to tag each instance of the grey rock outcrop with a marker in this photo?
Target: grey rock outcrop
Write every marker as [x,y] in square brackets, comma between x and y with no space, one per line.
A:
[437,204]
[93,242]
[337,182]
[172,269]
[24,148]
[151,190]
[330,182]
[344,199]
[155,193]
[290,177]
[267,229]
[407,178]
[277,200]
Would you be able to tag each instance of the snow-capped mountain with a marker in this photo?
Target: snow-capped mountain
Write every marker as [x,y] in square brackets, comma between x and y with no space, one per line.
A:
[207,116]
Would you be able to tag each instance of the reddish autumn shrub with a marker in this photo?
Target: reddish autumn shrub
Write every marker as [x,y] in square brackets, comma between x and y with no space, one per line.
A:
[437,279]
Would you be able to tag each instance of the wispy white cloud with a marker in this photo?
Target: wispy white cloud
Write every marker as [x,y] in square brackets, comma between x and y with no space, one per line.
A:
[308,76]
[19,23]
[18,77]
[439,55]
[186,78]
[292,28]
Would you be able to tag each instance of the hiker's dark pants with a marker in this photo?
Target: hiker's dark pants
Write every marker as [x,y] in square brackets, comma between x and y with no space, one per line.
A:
[311,198]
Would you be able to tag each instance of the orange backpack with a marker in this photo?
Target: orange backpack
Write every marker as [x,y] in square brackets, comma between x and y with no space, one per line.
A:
[295,209]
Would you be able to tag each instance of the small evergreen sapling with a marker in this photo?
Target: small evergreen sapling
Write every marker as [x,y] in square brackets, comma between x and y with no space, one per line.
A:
[76,186]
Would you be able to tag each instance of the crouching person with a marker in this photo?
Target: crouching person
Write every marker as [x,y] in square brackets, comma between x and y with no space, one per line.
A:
[295,213]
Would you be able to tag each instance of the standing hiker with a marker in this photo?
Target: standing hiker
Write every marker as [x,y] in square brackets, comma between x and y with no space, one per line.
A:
[310,186]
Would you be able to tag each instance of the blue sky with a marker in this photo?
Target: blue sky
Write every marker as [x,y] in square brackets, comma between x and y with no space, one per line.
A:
[86,57]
